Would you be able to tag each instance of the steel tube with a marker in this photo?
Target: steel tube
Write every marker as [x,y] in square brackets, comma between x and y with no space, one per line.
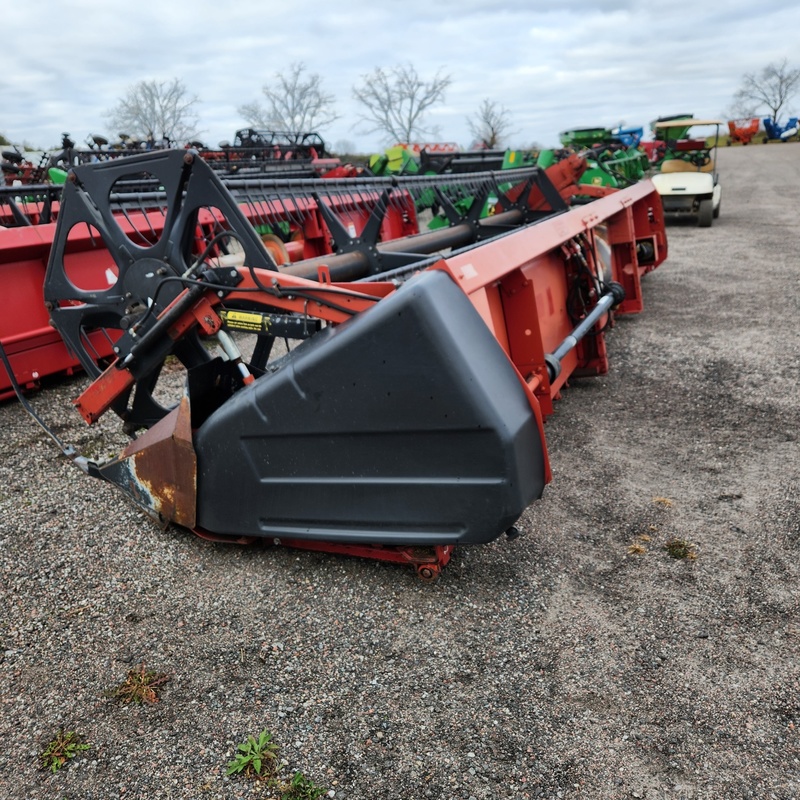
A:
[604,304]
[354,265]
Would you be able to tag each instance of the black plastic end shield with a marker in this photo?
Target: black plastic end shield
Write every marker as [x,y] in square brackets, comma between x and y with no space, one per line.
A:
[407,425]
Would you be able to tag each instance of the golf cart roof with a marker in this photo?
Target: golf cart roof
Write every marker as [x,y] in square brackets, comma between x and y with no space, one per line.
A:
[686,122]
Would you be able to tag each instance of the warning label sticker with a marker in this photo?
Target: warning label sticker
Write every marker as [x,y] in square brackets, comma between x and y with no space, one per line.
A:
[245,321]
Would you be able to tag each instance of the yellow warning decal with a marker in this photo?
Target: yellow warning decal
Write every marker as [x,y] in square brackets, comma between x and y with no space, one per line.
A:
[245,320]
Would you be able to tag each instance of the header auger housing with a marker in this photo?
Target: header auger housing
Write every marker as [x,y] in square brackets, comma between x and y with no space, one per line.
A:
[409,417]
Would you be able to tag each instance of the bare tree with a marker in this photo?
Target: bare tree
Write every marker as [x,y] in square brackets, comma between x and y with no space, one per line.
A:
[152,109]
[395,101]
[738,110]
[490,124]
[771,88]
[295,103]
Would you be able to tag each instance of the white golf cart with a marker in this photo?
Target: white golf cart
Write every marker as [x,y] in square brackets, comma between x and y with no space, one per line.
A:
[687,178]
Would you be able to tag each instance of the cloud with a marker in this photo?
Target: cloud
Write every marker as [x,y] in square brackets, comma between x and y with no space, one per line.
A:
[575,64]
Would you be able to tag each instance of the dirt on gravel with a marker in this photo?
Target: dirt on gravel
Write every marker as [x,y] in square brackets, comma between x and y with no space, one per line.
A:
[581,660]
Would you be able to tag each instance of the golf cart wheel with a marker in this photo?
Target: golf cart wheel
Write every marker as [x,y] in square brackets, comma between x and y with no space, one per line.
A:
[716,210]
[705,214]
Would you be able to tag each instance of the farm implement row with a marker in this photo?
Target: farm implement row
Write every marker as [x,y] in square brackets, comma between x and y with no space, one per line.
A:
[683,169]
[297,221]
[274,154]
[404,414]
[743,131]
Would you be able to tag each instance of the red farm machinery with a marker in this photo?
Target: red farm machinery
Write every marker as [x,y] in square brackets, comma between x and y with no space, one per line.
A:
[743,131]
[404,414]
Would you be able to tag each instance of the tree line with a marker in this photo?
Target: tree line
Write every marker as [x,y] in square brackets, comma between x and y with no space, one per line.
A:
[394,103]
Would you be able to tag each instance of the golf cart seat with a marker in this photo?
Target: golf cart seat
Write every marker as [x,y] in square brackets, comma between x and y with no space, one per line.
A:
[679,165]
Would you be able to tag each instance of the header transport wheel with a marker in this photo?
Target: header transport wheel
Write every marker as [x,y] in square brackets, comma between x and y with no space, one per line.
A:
[429,572]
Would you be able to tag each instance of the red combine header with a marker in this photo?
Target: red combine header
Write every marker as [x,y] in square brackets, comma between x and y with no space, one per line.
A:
[408,416]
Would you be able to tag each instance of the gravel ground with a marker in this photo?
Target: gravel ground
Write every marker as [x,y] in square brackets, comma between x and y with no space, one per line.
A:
[578,661]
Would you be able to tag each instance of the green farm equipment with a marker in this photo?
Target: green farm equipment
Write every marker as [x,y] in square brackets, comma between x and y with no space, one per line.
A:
[613,160]
[394,161]
[586,138]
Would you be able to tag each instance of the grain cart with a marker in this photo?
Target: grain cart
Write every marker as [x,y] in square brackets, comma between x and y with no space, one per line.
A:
[408,418]
[742,131]
[659,130]
[656,149]
[579,138]
[687,178]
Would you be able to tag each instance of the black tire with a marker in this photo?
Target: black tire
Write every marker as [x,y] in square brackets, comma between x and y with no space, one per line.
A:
[705,214]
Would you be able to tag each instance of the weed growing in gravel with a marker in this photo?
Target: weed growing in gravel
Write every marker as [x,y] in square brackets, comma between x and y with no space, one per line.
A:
[140,686]
[300,788]
[258,758]
[681,548]
[65,745]
[663,502]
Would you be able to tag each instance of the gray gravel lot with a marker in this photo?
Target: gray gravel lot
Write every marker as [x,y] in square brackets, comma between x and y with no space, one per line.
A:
[578,661]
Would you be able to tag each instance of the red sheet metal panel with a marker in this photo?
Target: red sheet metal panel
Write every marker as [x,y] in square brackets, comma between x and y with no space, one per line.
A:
[520,283]
[34,349]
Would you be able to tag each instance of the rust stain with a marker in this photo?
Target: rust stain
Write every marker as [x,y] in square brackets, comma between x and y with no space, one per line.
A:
[163,465]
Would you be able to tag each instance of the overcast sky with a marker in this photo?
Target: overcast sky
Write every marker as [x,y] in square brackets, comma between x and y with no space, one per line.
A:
[554,66]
